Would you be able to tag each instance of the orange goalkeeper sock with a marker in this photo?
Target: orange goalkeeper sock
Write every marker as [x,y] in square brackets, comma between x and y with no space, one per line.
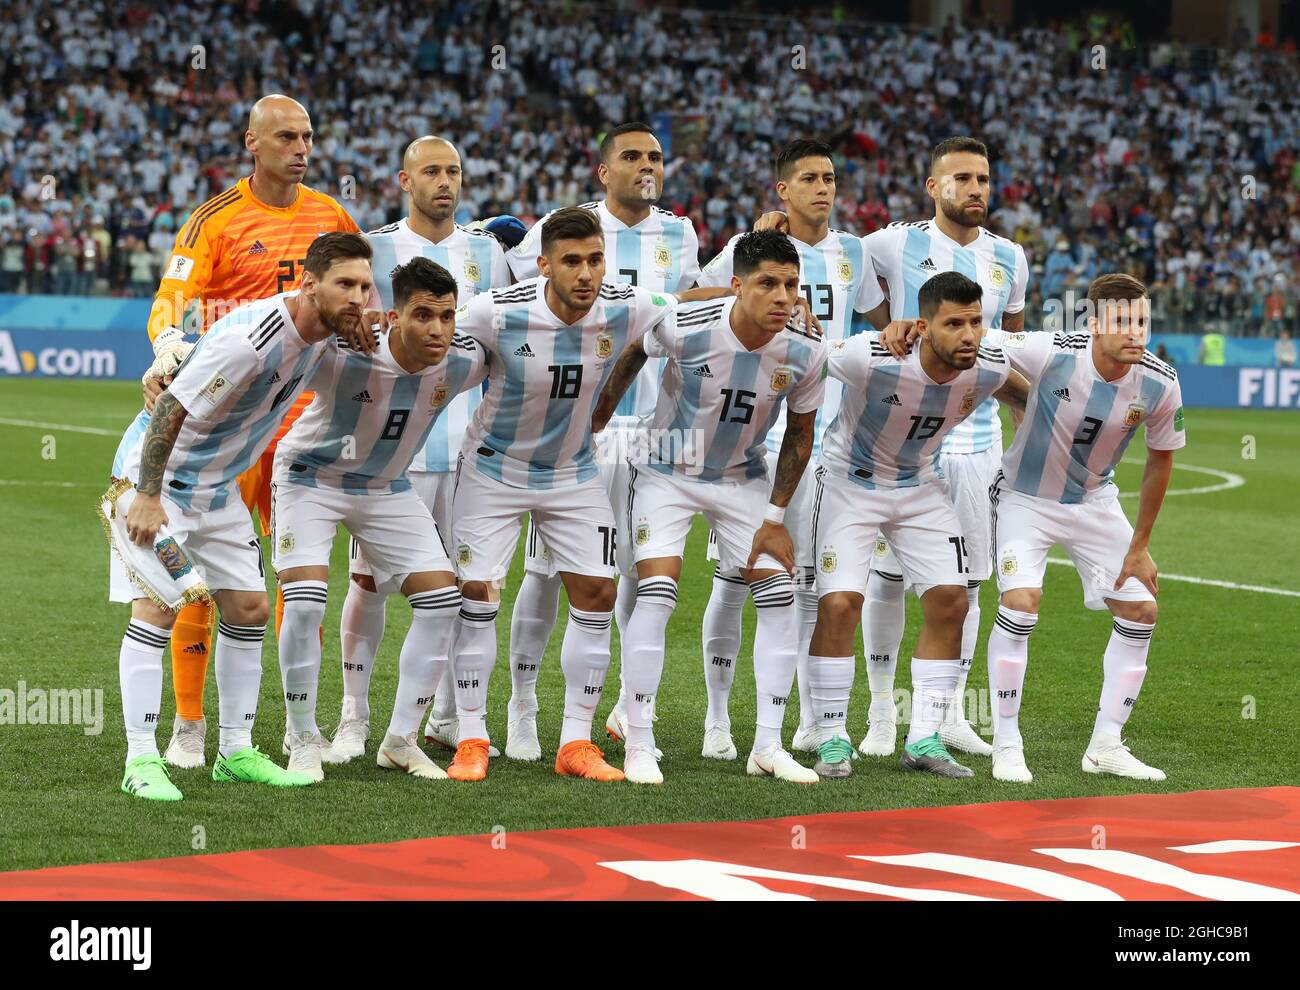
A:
[191,649]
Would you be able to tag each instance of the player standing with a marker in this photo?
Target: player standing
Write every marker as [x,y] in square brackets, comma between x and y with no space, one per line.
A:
[345,461]
[878,474]
[1089,394]
[731,366]
[906,256]
[431,177]
[653,249]
[212,423]
[836,278]
[248,242]
[552,342]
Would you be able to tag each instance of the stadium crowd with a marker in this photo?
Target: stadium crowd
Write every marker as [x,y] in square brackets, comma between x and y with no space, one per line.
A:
[1180,167]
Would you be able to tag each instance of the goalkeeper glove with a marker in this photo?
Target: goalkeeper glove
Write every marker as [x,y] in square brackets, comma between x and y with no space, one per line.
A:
[170,351]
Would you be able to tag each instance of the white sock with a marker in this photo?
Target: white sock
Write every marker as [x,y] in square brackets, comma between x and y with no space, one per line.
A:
[882,631]
[304,611]
[1008,661]
[361,629]
[239,680]
[624,603]
[776,645]
[475,654]
[721,641]
[531,622]
[643,654]
[805,602]
[932,686]
[584,658]
[830,681]
[1125,667]
[140,676]
[443,708]
[424,655]
[970,631]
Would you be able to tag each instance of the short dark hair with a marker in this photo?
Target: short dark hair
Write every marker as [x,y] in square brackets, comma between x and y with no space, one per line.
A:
[631,127]
[758,246]
[793,151]
[955,144]
[572,223]
[421,275]
[1115,285]
[947,287]
[334,246]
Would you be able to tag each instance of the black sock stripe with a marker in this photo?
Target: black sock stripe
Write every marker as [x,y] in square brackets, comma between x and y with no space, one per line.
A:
[888,577]
[1130,632]
[144,640]
[479,618]
[774,601]
[582,620]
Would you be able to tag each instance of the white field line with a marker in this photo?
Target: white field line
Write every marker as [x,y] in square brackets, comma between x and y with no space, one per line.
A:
[1227,479]
[92,430]
[1190,579]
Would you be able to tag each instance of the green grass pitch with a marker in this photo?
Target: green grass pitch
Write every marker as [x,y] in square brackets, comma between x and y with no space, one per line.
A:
[1217,710]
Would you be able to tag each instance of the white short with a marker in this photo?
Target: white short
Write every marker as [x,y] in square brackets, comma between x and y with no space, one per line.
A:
[919,523]
[663,506]
[1096,535]
[575,522]
[394,530]
[966,481]
[220,543]
[614,476]
[798,520]
[434,489]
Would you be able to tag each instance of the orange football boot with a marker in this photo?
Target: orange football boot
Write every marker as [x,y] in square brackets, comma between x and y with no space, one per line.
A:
[471,760]
[581,758]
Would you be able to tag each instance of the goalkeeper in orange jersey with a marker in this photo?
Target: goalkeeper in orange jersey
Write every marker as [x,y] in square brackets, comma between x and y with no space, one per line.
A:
[244,244]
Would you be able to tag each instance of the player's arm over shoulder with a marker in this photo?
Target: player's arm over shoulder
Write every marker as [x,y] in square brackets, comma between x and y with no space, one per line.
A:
[476,318]
[851,361]
[221,364]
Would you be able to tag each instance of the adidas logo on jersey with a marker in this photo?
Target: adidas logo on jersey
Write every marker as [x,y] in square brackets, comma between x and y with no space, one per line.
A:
[524,351]
[703,371]
[257,248]
[275,377]
[927,266]
[892,400]
[1062,393]
[362,396]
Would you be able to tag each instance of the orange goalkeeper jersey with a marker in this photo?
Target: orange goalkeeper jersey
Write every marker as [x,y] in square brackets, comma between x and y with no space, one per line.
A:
[235,249]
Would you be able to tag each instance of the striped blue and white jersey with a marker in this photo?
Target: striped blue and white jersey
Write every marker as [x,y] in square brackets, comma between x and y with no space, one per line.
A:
[720,399]
[661,253]
[907,255]
[371,417]
[836,278]
[533,428]
[236,386]
[893,416]
[478,263]
[1077,425]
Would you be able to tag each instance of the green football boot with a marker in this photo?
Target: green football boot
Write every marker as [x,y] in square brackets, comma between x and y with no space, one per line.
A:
[251,766]
[930,756]
[146,777]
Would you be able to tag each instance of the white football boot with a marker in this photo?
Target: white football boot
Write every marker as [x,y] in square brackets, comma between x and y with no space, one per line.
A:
[641,765]
[718,744]
[773,761]
[186,747]
[1009,763]
[521,733]
[304,752]
[1108,754]
[445,732]
[404,753]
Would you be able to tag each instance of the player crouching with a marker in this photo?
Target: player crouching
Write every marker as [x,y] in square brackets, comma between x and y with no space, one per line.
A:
[215,419]
[345,461]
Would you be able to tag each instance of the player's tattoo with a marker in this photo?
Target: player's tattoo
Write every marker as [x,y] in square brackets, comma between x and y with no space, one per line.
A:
[164,427]
[628,366]
[796,449]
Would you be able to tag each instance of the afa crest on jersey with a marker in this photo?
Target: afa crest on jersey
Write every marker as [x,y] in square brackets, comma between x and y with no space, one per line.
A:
[845,270]
[286,542]
[472,272]
[828,561]
[642,534]
[463,555]
[1009,565]
[1134,414]
[882,547]
[967,403]
[781,379]
[663,258]
[604,345]
[439,396]
[996,275]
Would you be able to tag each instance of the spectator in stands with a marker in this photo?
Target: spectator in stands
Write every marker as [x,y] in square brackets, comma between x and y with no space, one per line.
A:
[1284,351]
